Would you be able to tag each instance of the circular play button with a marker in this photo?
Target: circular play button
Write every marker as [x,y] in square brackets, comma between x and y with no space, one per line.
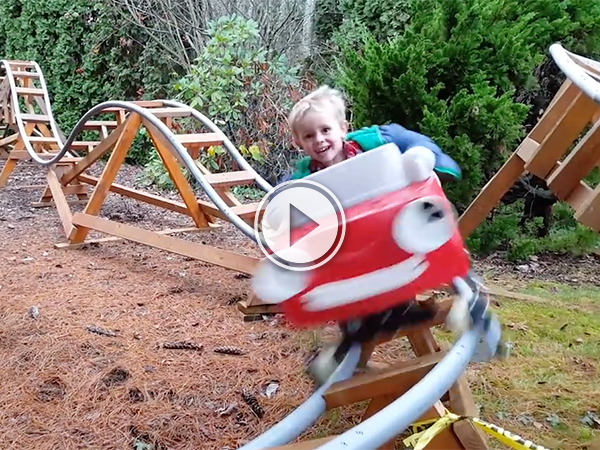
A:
[299,223]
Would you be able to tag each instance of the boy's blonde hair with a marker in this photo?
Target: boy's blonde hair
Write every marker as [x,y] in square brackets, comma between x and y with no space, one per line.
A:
[324,97]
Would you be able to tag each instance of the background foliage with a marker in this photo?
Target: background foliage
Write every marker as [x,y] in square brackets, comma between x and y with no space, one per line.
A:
[472,74]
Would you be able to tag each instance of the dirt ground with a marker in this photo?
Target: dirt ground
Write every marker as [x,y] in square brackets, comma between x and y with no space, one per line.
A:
[67,386]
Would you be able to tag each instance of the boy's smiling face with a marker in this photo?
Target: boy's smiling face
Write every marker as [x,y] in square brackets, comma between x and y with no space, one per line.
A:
[321,136]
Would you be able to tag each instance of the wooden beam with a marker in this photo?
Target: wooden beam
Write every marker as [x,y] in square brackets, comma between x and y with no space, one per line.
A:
[167,154]
[574,118]
[244,211]
[98,152]
[151,199]
[396,380]
[492,192]
[62,245]
[577,165]
[228,179]
[589,214]
[62,206]
[212,255]
[200,140]
[561,101]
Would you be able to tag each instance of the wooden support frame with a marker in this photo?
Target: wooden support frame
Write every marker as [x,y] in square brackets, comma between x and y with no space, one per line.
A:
[70,175]
[551,152]
[68,178]
[382,386]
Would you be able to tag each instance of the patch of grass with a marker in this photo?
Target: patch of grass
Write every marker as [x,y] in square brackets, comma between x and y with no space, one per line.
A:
[550,382]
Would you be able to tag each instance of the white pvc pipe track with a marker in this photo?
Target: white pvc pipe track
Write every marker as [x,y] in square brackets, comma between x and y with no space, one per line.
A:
[577,74]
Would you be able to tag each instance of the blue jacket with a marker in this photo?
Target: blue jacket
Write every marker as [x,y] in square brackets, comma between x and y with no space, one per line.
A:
[377,135]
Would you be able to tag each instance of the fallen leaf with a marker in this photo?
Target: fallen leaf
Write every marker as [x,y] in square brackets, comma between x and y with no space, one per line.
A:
[525,419]
[501,415]
[228,410]
[34,312]
[517,326]
[271,389]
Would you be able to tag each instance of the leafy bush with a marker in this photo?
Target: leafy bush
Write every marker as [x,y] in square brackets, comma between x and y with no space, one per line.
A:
[502,234]
[447,80]
[246,91]
[420,57]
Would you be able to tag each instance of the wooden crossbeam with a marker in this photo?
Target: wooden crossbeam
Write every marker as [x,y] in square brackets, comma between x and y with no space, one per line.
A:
[29,91]
[168,231]
[399,378]
[229,179]
[212,255]
[556,142]
[589,212]
[198,140]
[167,154]
[60,200]
[98,152]
[577,165]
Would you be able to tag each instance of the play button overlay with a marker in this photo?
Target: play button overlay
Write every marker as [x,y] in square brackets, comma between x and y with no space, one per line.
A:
[302,226]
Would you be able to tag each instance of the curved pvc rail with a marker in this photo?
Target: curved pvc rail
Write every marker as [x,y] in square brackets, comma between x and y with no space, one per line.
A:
[235,154]
[306,414]
[177,146]
[164,130]
[19,119]
[575,72]
[397,417]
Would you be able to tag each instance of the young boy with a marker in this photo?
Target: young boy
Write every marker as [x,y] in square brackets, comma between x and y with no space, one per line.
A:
[319,127]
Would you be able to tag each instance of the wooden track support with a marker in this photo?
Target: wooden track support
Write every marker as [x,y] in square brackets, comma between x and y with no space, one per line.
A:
[382,386]
[561,149]
[71,177]
[27,126]
[40,132]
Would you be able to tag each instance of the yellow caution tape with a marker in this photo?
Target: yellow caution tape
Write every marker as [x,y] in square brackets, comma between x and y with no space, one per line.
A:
[423,432]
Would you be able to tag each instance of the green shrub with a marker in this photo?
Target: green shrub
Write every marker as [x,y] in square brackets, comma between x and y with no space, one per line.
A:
[444,79]
[502,233]
[457,71]
[85,58]
[246,91]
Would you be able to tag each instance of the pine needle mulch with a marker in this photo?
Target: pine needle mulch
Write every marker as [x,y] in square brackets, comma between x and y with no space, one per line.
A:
[123,346]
